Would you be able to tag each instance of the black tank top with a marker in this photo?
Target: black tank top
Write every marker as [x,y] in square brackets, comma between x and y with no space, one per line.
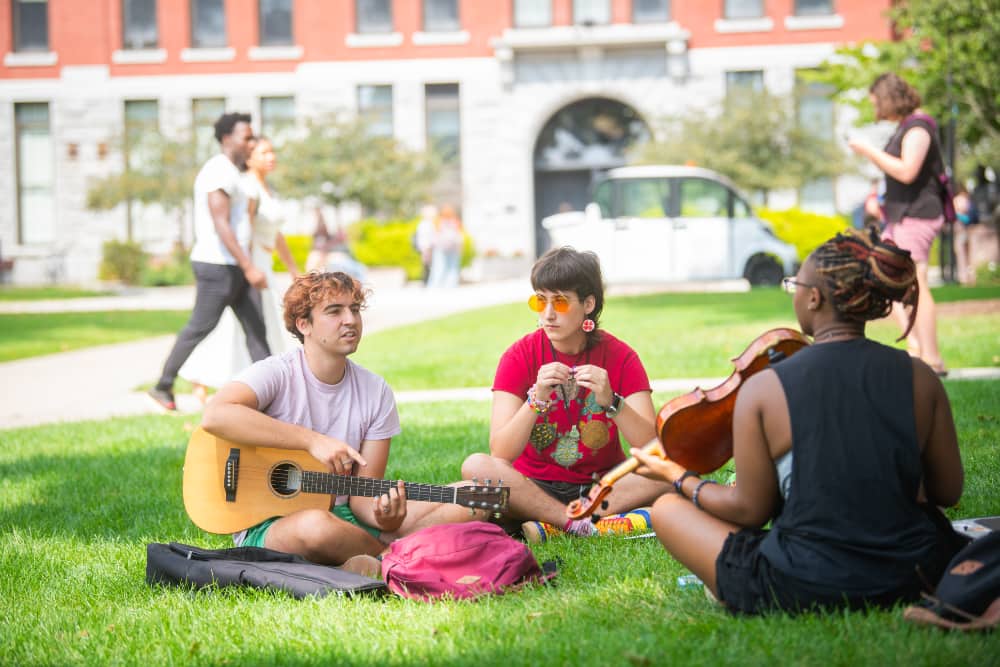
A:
[852,523]
[921,198]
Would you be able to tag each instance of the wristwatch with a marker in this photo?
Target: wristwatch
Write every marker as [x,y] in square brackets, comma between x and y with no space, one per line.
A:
[616,405]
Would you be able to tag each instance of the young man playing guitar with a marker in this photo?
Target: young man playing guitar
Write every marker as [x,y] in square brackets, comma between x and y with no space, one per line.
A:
[317,400]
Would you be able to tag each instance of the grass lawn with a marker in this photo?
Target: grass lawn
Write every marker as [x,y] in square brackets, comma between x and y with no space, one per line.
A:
[78,504]
[11,293]
[33,334]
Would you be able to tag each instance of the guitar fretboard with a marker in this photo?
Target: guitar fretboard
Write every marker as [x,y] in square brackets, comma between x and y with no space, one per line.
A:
[344,485]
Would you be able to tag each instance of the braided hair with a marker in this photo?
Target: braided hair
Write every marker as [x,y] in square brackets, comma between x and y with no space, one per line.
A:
[864,275]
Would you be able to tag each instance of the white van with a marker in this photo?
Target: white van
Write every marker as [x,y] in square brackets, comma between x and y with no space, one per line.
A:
[673,223]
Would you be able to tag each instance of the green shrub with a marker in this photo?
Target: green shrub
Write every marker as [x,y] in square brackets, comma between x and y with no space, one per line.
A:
[299,245]
[122,260]
[390,243]
[386,243]
[174,269]
[805,231]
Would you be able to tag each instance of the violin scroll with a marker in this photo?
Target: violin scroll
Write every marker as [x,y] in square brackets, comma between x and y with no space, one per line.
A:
[584,507]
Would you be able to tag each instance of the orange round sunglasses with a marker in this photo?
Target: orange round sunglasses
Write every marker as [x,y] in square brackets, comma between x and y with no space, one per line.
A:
[537,303]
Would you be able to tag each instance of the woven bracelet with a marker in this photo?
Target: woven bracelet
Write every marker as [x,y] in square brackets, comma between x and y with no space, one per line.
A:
[697,490]
[538,406]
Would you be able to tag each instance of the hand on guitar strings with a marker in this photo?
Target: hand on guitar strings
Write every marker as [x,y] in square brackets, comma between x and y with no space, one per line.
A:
[390,508]
[335,454]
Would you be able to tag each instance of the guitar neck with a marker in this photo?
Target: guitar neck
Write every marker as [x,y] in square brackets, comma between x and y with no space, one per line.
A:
[345,485]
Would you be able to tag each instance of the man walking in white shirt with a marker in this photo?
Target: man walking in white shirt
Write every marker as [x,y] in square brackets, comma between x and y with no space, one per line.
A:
[224,273]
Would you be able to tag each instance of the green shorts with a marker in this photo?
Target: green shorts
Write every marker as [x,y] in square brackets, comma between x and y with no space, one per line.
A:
[255,535]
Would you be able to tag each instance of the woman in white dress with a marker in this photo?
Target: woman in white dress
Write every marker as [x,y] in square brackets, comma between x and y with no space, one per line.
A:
[224,352]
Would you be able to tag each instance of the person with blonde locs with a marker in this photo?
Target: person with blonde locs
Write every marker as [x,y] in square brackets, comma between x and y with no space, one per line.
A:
[848,446]
[562,395]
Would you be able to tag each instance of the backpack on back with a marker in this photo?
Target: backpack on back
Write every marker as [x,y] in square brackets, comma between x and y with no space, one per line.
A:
[460,560]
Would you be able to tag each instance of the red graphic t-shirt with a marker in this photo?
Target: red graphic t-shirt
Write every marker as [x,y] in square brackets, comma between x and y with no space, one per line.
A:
[574,439]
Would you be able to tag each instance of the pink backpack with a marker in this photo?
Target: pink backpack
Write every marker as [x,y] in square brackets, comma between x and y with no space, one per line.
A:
[459,560]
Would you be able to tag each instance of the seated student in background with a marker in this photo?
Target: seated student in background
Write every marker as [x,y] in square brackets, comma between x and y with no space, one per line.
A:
[850,442]
[560,397]
[317,400]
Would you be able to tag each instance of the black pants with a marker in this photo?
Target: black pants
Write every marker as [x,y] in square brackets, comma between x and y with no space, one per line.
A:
[217,286]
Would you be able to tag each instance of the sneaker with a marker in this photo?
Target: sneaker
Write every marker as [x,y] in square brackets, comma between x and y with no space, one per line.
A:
[636,521]
[164,399]
[365,565]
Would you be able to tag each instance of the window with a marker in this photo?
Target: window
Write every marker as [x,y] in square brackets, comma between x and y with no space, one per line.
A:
[441,16]
[644,198]
[443,120]
[204,113]
[532,13]
[277,117]
[815,111]
[276,23]
[35,173]
[591,12]
[375,106]
[702,198]
[749,81]
[31,25]
[142,125]
[650,11]
[813,7]
[139,24]
[374,15]
[604,196]
[743,9]
[208,24]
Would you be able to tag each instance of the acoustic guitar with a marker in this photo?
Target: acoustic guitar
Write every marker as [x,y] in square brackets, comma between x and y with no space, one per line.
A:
[229,487]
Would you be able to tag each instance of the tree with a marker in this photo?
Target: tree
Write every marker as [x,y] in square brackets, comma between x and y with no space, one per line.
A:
[160,170]
[950,52]
[340,160]
[755,140]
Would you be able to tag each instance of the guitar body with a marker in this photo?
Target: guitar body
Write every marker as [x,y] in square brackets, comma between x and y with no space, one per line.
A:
[205,493]
[229,486]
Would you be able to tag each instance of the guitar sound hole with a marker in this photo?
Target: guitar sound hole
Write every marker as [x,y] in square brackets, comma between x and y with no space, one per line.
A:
[286,479]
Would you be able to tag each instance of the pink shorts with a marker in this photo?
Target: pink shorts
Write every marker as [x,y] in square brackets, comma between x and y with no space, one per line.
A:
[915,235]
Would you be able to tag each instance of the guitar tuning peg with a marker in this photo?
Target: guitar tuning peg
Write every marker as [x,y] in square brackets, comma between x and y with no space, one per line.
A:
[497,515]
[475,481]
[487,482]
[472,511]
[499,483]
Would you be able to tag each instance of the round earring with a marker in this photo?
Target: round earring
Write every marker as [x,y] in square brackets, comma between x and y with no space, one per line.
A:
[588,325]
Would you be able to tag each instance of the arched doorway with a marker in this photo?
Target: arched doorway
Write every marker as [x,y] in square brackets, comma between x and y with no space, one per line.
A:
[579,143]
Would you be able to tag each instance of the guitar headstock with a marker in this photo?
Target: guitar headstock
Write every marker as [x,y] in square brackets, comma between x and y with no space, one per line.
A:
[491,498]
[584,507]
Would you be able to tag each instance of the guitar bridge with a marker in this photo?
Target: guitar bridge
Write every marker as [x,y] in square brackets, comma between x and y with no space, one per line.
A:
[232,474]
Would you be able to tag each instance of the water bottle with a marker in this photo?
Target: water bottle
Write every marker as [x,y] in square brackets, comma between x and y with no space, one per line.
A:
[689,581]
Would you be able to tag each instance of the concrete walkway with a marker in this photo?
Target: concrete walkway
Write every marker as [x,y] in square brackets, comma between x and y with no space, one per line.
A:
[99,382]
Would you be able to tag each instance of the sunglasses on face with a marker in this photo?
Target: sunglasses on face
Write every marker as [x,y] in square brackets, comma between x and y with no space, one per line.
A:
[537,303]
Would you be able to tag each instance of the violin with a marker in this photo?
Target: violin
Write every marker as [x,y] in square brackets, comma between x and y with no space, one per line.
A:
[695,429]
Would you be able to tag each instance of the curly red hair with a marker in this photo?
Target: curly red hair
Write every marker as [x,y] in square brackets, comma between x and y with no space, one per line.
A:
[309,289]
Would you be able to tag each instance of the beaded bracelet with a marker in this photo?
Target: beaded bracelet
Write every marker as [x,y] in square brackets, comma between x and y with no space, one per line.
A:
[679,482]
[697,490]
[537,405]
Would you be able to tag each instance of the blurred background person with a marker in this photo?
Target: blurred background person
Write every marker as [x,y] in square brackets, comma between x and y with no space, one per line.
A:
[911,162]
[446,259]
[223,354]
[423,239]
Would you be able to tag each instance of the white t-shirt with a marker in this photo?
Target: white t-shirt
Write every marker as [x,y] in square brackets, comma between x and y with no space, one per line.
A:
[219,173]
[360,407]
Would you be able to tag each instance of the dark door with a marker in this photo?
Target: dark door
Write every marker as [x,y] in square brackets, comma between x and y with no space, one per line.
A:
[555,192]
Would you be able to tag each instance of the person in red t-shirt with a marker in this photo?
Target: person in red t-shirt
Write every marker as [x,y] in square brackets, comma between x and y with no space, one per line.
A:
[561,396]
